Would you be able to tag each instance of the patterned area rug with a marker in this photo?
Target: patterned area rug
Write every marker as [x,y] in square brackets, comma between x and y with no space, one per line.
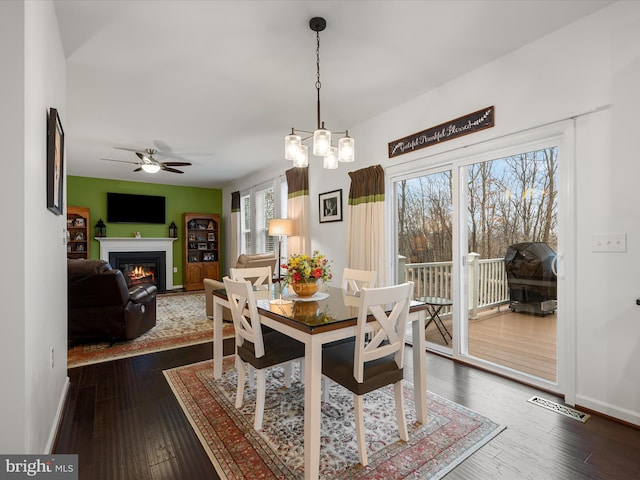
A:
[238,452]
[181,321]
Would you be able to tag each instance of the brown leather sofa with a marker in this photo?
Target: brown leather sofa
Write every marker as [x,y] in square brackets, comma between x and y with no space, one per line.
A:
[101,307]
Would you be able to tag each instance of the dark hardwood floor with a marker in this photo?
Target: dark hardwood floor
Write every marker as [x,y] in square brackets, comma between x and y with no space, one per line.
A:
[124,422]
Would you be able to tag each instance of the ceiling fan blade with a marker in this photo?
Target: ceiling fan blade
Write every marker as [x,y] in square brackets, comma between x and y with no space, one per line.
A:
[140,156]
[131,149]
[176,164]
[120,161]
[138,169]
[169,169]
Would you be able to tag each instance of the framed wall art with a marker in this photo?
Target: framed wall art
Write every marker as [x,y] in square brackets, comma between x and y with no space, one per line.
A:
[330,204]
[55,162]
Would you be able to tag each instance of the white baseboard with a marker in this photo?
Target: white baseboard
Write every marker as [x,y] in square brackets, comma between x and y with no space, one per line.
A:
[55,427]
[614,411]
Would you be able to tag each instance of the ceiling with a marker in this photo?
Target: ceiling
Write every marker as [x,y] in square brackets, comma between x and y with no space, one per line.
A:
[220,83]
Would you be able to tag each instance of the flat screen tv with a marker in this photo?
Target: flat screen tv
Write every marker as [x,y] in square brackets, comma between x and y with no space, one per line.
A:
[131,208]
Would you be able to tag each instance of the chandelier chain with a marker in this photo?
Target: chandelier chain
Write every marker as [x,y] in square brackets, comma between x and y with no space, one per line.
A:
[318,84]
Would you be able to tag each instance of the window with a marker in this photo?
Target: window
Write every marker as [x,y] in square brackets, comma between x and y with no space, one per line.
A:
[258,205]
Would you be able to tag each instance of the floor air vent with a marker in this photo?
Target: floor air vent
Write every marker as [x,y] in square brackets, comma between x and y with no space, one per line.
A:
[562,409]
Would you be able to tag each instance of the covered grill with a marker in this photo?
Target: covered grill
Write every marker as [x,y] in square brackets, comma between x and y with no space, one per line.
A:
[531,279]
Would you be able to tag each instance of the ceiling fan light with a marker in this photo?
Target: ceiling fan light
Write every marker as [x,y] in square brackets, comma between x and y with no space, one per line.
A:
[292,144]
[321,142]
[346,149]
[150,167]
[331,160]
[302,159]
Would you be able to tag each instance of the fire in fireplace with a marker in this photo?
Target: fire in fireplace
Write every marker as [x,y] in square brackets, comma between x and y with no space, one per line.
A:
[137,274]
[140,267]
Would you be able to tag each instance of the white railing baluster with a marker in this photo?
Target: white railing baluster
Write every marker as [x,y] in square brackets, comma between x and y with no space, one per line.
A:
[488,281]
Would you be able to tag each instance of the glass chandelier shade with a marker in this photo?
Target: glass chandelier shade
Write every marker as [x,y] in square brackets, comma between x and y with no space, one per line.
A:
[292,144]
[331,160]
[346,149]
[321,142]
[302,157]
[295,150]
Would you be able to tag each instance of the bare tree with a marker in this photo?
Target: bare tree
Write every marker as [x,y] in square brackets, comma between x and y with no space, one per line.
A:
[510,200]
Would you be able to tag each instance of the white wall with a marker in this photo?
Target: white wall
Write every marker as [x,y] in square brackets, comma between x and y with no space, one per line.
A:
[12,293]
[34,258]
[594,62]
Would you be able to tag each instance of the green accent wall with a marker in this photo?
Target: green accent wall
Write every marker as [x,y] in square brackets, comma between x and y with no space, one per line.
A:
[92,193]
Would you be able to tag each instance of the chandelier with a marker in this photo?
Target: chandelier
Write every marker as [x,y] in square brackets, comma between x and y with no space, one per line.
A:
[294,148]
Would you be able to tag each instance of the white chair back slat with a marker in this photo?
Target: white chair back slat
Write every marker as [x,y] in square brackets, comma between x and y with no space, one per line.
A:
[260,277]
[388,329]
[353,281]
[244,311]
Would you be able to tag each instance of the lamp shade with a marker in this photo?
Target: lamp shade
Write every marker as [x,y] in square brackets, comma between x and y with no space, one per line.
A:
[280,227]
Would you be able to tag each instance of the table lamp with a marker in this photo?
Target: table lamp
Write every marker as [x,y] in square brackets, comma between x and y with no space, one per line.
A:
[280,227]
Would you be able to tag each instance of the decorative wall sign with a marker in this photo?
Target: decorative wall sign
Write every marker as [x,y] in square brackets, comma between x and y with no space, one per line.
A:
[470,123]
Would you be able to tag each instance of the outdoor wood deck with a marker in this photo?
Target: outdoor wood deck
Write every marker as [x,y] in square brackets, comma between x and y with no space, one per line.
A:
[518,340]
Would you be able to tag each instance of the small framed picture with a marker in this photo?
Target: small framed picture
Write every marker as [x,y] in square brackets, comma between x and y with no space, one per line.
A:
[211,237]
[202,246]
[192,237]
[209,257]
[55,162]
[330,204]
[80,248]
[79,237]
[78,222]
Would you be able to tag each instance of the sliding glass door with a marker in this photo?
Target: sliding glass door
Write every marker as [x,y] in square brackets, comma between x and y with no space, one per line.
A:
[425,246]
[511,210]
[480,237]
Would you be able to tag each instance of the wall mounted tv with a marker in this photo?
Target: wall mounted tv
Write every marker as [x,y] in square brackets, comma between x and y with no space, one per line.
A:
[131,208]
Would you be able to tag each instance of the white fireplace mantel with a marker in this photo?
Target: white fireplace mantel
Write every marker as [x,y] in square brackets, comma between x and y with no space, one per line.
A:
[129,244]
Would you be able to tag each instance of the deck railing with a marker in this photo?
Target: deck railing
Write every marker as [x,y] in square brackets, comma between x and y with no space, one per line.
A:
[488,285]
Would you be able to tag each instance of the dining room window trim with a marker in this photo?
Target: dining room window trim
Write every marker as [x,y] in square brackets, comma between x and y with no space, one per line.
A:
[255,214]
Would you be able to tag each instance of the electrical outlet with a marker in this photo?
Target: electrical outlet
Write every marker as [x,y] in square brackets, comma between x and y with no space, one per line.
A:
[52,358]
[609,242]
[175,269]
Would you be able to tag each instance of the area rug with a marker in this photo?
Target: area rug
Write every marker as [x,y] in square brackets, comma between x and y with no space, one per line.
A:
[180,321]
[238,452]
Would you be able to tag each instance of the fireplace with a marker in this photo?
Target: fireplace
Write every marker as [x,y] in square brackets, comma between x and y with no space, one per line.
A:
[111,245]
[141,268]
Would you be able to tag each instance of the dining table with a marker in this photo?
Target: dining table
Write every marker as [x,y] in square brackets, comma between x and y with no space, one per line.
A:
[327,316]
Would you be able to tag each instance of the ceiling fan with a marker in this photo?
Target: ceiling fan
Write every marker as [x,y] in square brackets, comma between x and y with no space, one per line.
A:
[149,164]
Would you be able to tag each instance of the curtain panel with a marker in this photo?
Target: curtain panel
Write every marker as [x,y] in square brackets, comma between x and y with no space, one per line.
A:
[366,248]
[298,205]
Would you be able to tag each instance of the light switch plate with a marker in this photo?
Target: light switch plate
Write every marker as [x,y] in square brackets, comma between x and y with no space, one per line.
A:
[609,242]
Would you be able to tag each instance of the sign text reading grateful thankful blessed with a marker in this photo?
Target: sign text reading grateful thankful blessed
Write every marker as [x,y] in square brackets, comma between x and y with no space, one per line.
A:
[470,123]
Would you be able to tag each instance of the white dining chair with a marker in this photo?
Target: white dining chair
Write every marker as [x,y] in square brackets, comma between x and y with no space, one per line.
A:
[260,350]
[261,281]
[363,366]
[261,278]
[354,280]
